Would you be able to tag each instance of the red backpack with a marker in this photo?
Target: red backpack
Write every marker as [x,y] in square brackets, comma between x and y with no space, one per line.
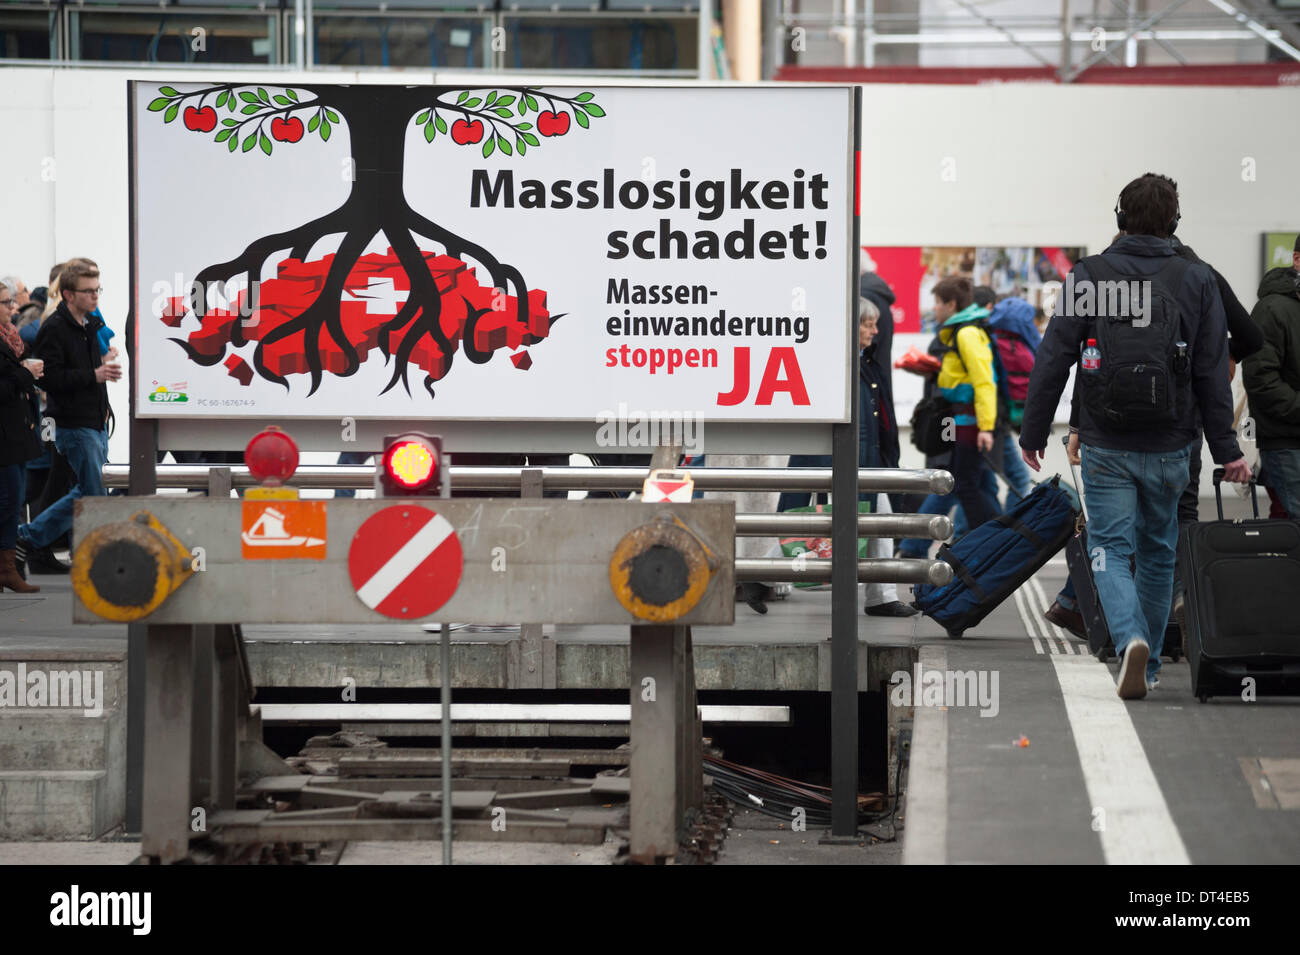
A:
[1017,362]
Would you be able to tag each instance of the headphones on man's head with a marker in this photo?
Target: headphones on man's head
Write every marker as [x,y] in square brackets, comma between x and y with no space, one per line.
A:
[1121,219]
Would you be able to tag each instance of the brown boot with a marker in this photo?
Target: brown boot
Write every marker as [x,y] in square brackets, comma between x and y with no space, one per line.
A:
[9,576]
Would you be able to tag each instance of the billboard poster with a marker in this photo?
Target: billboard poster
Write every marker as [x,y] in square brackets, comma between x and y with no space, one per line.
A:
[520,253]
[912,271]
[1279,248]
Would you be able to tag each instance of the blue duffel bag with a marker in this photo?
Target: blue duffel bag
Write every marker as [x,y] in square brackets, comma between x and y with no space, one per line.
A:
[995,558]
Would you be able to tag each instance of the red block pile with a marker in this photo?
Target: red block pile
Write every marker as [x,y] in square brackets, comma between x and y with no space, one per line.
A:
[375,290]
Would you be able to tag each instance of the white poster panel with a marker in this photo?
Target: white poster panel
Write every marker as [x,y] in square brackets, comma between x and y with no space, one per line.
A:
[492,253]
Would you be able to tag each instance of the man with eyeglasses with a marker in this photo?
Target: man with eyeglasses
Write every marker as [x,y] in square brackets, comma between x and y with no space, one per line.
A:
[75,383]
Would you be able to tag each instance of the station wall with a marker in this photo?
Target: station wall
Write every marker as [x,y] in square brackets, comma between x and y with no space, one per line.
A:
[1008,165]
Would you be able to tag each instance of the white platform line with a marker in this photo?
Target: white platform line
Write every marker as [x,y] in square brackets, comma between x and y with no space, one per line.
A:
[1134,823]
[408,557]
[1024,619]
[1046,624]
[927,776]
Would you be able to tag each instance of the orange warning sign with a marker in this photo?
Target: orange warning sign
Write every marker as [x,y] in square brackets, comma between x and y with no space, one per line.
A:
[284,530]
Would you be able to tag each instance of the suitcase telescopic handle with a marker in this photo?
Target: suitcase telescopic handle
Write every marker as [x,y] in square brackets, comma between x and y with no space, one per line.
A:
[1074,476]
[1218,493]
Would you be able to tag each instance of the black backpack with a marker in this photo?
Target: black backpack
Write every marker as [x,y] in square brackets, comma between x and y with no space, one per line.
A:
[1143,383]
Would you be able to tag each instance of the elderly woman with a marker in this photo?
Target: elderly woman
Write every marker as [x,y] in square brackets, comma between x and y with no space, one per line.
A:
[19,436]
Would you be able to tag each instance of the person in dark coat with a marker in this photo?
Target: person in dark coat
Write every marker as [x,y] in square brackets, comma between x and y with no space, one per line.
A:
[19,437]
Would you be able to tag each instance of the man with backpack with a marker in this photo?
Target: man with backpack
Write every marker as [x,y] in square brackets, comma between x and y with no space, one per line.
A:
[1148,330]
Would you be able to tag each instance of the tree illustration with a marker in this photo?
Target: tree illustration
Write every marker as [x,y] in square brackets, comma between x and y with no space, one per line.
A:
[252,121]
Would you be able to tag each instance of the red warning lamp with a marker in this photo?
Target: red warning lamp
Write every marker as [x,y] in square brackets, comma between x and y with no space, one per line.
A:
[411,465]
[272,457]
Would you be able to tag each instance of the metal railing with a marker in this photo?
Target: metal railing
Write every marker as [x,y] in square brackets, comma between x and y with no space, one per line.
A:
[792,569]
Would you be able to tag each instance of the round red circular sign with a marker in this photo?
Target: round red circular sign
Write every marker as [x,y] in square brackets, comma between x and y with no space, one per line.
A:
[405,561]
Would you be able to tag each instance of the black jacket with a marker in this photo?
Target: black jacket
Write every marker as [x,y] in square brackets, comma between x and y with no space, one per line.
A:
[877,427]
[1272,375]
[71,354]
[1204,328]
[876,290]
[20,436]
[1246,338]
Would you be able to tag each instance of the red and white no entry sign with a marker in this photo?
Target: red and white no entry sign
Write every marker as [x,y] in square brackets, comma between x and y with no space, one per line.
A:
[405,561]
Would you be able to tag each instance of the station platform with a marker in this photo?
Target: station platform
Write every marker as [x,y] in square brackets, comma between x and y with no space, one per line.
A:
[1047,765]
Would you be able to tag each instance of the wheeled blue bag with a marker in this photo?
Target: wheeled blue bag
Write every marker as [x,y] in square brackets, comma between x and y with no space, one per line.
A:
[995,558]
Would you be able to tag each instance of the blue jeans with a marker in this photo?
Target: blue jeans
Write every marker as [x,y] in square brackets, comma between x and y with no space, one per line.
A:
[1015,470]
[915,547]
[1282,472]
[1133,514]
[87,451]
[351,457]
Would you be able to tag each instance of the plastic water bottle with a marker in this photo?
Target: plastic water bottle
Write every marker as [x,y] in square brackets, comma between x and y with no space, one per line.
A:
[1091,358]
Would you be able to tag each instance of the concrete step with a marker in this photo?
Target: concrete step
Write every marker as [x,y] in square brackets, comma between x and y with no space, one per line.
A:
[62,739]
[62,743]
[53,804]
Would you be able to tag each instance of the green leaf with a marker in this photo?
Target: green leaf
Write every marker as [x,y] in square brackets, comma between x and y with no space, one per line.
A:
[582,119]
[172,110]
[523,106]
[292,95]
[520,148]
[491,98]
[505,146]
[524,126]
[160,103]
[281,100]
[224,135]
[250,142]
[422,118]
[584,97]
[461,98]
[230,122]
[325,130]
[231,103]
[531,139]
[505,100]
[488,146]
[503,113]
[313,123]
[262,95]
[532,103]
[222,97]
[594,110]
[334,117]
[264,143]
[429,132]
[441,124]
[471,103]
[248,97]
[234,141]
[251,108]
[167,91]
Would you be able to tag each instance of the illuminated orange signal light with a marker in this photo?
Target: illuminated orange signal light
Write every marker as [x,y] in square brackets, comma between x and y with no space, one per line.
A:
[410,465]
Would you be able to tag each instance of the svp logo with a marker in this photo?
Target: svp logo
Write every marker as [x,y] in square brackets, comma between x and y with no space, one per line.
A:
[173,393]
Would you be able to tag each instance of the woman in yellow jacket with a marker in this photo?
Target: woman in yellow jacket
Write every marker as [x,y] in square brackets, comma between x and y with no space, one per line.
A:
[967,379]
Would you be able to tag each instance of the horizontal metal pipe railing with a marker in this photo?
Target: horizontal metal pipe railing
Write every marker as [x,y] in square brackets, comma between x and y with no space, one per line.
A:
[933,526]
[317,476]
[882,570]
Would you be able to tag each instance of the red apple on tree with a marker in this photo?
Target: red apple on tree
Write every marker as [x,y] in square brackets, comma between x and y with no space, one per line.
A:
[286,130]
[463,132]
[202,119]
[552,124]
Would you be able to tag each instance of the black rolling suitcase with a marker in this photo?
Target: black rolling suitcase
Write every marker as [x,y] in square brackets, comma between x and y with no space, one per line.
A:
[1087,600]
[1240,579]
